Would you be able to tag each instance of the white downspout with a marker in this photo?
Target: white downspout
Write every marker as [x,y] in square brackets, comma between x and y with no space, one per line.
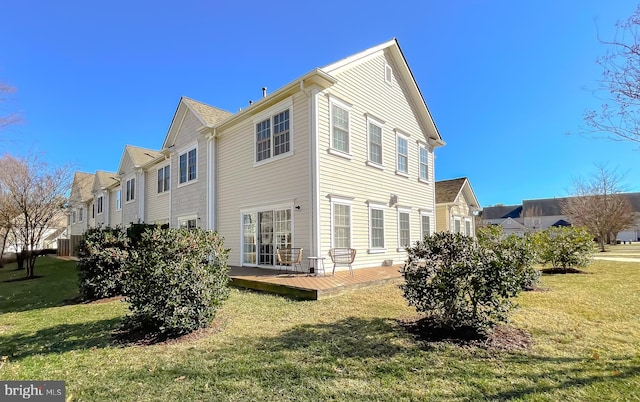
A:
[316,244]
[212,196]
[140,195]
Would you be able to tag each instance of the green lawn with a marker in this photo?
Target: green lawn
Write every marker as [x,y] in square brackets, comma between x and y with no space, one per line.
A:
[621,250]
[586,332]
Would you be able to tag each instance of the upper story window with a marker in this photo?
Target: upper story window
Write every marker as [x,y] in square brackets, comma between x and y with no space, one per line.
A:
[273,136]
[99,205]
[163,179]
[131,189]
[374,129]
[402,155]
[118,200]
[340,136]
[423,158]
[188,165]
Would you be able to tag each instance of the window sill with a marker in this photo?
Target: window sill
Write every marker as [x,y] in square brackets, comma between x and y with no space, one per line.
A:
[424,181]
[403,174]
[401,249]
[375,165]
[377,250]
[188,182]
[339,153]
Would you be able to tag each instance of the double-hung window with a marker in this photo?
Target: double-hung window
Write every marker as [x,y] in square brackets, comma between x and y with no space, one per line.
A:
[456,225]
[341,222]
[340,137]
[404,230]
[376,228]
[188,165]
[374,130]
[273,136]
[163,179]
[423,158]
[425,225]
[99,203]
[80,214]
[131,189]
[467,227]
[118,200]
[402,155]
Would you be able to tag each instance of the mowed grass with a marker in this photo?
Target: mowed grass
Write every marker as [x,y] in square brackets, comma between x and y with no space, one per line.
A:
[585,328]
[631,250]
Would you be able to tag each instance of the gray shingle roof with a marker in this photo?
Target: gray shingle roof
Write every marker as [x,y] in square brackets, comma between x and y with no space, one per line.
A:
[209,114]
[448,190]
[502,212]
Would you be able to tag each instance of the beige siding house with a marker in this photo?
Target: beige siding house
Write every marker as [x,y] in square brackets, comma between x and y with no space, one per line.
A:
[456,206]
[80,202]
[102,196]
[132,182]
[342,156]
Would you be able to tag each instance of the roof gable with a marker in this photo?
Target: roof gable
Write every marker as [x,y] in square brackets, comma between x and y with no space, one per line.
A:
[135,158]
[104,180]
[207,115]
[448,191]
[81,188]
[392,49]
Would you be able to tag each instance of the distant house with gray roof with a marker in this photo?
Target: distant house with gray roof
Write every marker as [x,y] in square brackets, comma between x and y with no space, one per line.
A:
[456,206]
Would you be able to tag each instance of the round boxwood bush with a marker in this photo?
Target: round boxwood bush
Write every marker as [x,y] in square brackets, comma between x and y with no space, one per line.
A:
[175,281]
[459,284]
[102,255]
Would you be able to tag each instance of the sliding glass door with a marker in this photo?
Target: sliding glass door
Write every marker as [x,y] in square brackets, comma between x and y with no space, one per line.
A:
[264,231]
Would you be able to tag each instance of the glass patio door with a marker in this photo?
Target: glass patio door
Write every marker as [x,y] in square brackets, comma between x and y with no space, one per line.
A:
[263,232]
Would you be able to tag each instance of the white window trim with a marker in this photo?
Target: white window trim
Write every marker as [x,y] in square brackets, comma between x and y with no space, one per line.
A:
[404,136]
[470,221]
[429,156]
[98,204]
[428,213]
[165,191]
[388,74]
[401,210]
[269,114]
[185,218]
[377,206]
[118,207]
[262,208]
[183,151]
[334,199]
[380,124]
[347,107]
[135,190]
[456,219]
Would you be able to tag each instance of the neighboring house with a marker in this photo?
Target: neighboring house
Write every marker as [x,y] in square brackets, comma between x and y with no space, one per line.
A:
[533,215]
[340,157]
[456,206]
[132,183]
[102,183]
[81,203]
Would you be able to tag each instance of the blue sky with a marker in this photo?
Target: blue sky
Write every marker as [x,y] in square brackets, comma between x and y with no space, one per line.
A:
[504,80]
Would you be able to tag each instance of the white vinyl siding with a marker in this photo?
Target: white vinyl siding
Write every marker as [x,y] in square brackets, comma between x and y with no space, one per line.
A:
[363,85]
[156,204]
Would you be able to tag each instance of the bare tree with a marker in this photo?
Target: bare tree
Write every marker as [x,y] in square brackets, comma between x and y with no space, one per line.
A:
[37,193]
[619,116]
[600,205]
[11,118]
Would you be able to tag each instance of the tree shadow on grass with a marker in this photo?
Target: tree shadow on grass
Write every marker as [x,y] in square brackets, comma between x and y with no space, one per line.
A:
[58,339]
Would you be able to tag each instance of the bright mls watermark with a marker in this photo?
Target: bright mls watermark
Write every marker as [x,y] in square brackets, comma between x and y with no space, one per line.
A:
[41,391]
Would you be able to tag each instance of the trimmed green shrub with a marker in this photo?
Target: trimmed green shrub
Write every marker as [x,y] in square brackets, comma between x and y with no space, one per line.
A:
[457,283]
[176,279]
[519,251]
[565,247]
[102,254]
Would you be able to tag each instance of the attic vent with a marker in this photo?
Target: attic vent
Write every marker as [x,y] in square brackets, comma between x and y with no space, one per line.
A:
[388,73]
